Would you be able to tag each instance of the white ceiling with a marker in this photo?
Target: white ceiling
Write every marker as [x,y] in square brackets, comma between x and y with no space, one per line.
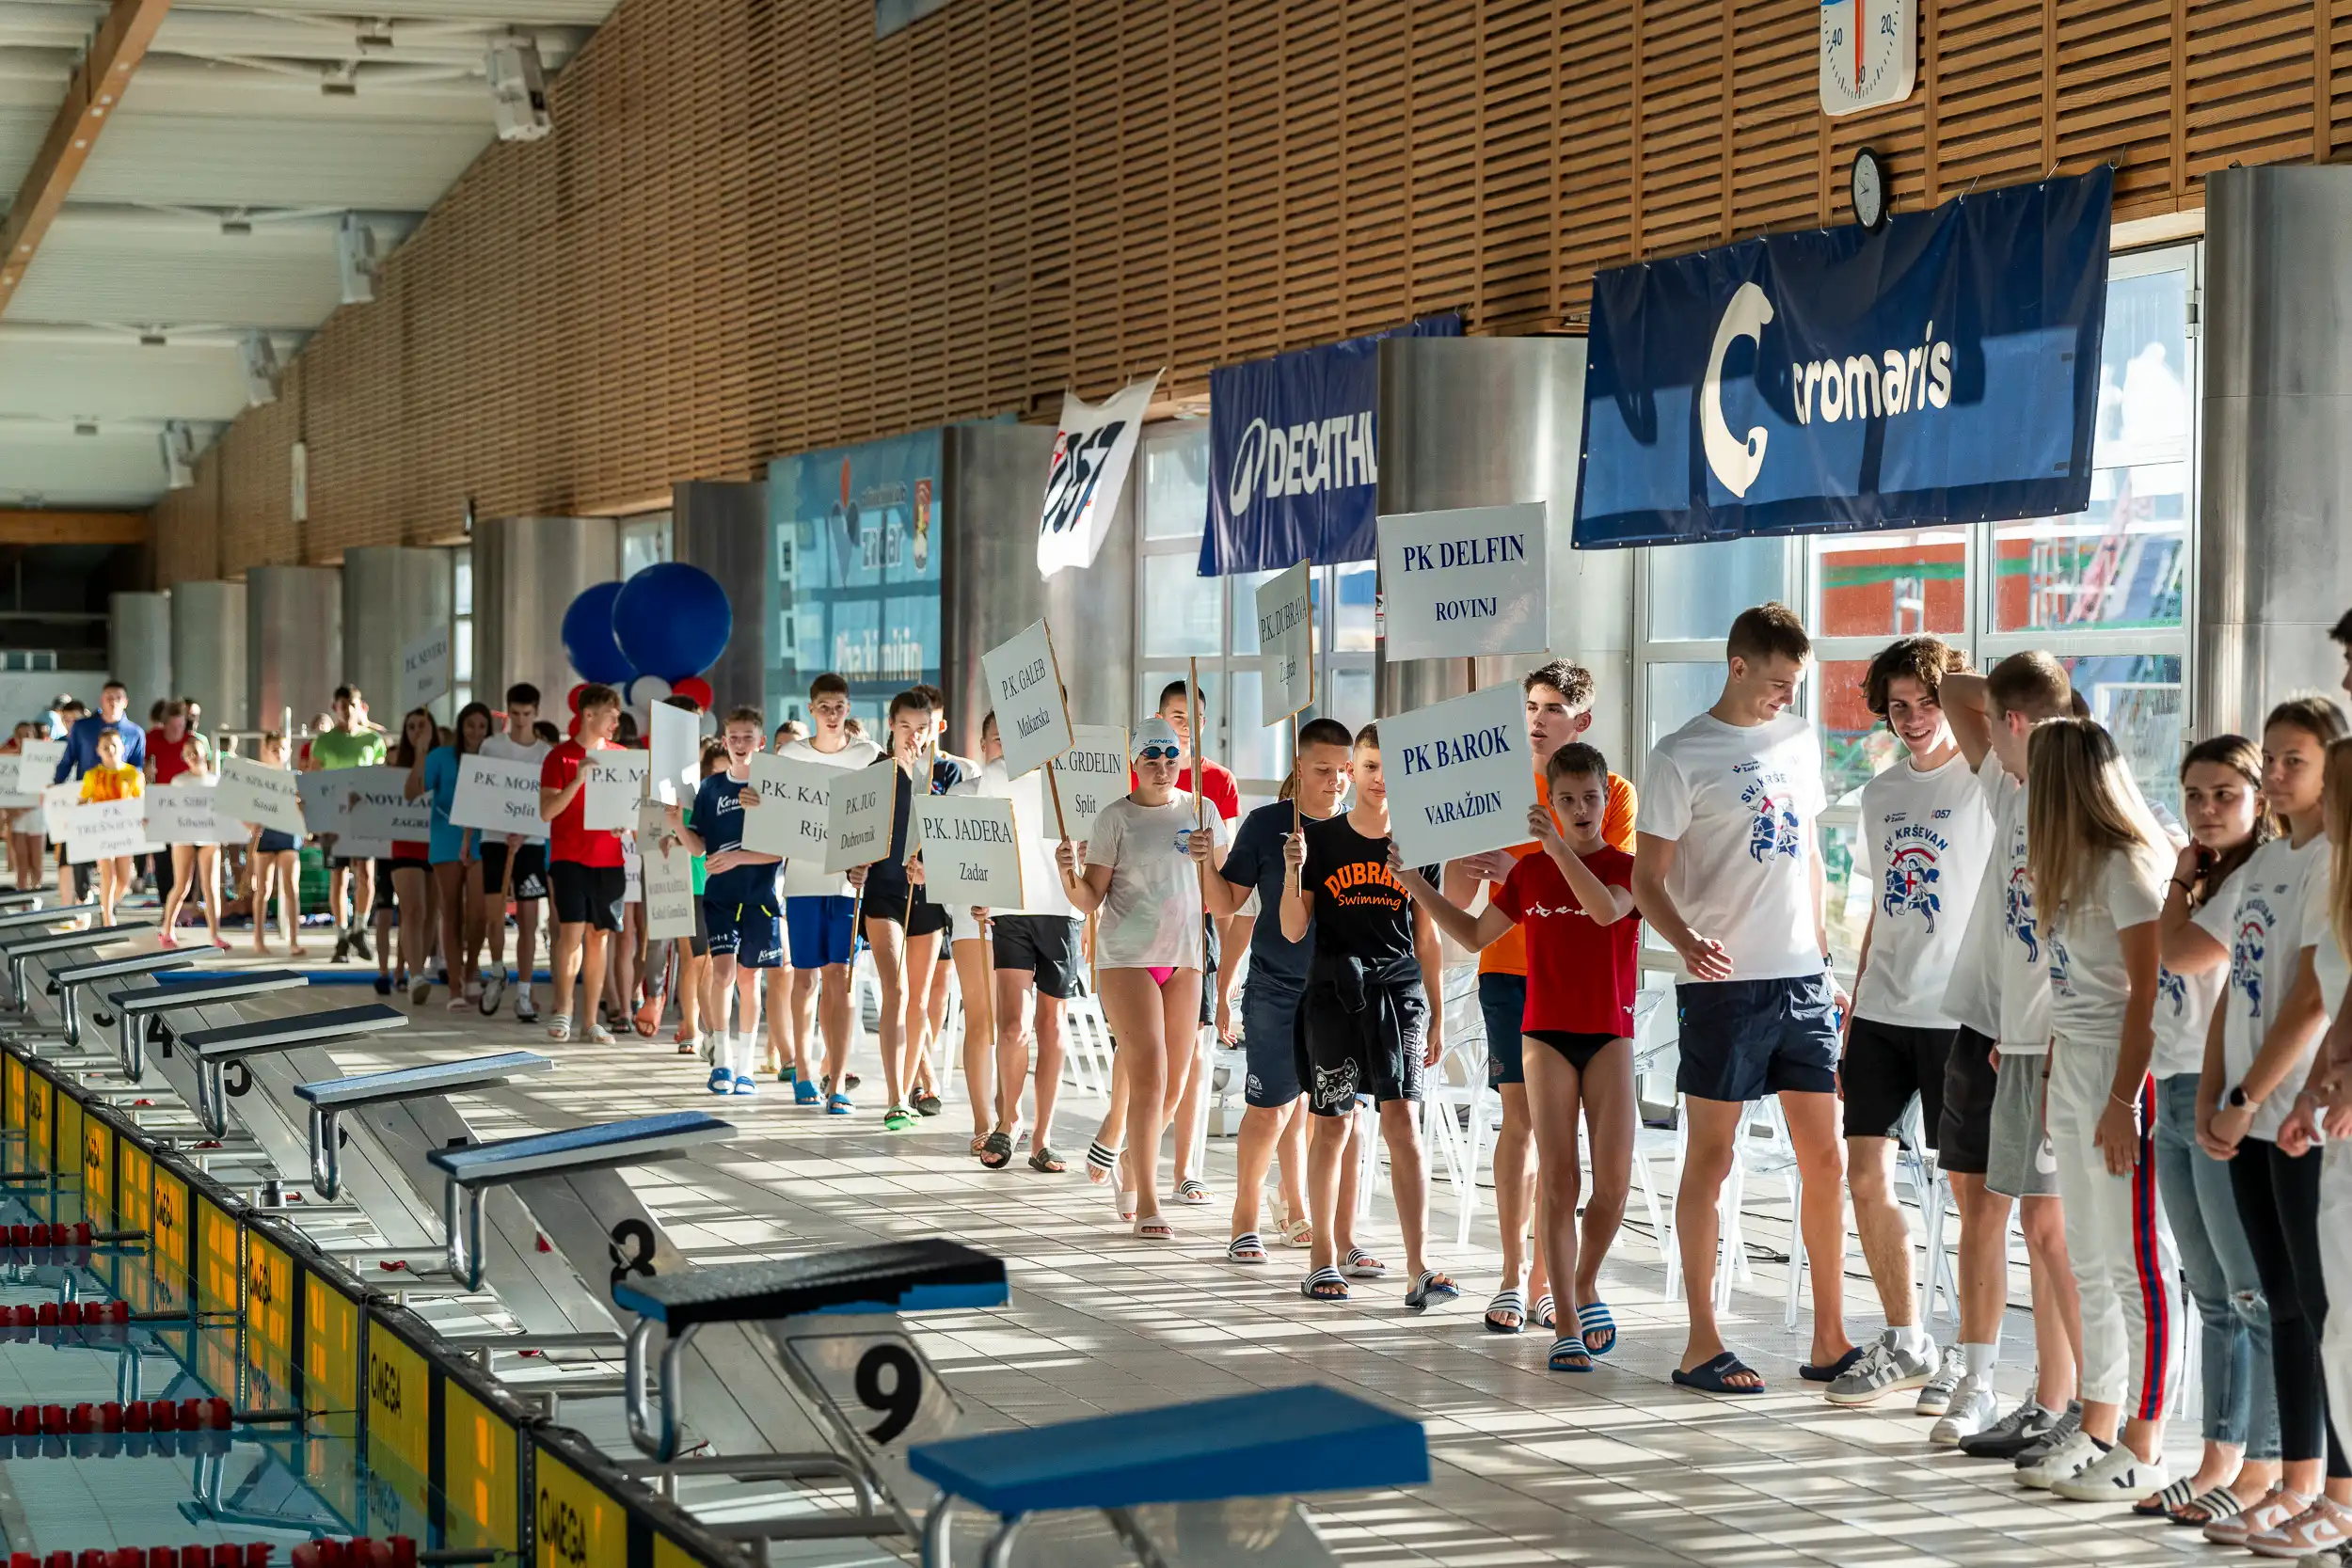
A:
[228,121]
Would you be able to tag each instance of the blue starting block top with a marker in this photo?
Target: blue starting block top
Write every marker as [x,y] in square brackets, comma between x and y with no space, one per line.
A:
[1284,1442]
[895,1277]
[234,1040]
[580,1148]
[411,1082]
[174,991]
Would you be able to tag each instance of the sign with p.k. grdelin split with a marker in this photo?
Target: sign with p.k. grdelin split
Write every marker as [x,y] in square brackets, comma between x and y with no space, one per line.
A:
[1463,583]
[1459,775]
[1025,689]
[1090,775]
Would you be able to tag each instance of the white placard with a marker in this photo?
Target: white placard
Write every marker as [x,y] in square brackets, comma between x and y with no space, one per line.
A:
[182,813]
[56,800]
[1286,643]
[858,816]
[1462,583]
[667,872]
[971,851]
[19,802]
[36,764]
[795,803]
[616,783]
[675,757]
[424,666]
[1460,775]
[498,795]
[1024,688]
[105,829]
[376,806]
[325,801]
[632,871]
[265,797]
[1092,451]
[1090,775]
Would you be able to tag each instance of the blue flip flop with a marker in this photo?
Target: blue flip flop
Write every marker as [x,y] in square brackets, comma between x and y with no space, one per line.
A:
[839,1105]
[1712,1377]
[1593,1318]
[1831,1372]
[1569,1354]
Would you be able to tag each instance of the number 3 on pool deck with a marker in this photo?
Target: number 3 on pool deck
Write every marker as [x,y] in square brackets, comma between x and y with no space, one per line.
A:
[889,1380]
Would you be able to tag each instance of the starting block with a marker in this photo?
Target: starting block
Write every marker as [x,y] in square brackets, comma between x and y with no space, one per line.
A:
[22,947]
[66,982]
[139,1015]
[1175,1483]
[329,1101]
[214,1048]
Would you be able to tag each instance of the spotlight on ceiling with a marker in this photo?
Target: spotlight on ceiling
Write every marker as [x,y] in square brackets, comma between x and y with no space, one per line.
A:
[518,89]
[355,259]
[179,443]
[152,337]
[340,80]
[237,226]
[260,355]
[86,427]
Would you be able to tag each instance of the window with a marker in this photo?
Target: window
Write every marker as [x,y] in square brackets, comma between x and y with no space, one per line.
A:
[461,628]
[644,540]
[1181,616]
[2106,590]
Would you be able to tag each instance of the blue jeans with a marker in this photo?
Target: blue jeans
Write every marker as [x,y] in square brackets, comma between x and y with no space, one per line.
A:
[2241,1398]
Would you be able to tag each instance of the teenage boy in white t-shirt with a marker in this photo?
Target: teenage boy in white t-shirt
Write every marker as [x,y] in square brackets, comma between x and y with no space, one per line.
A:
[1727,869]
[821,911]
[1925,834]
[513,865]
[1993,716]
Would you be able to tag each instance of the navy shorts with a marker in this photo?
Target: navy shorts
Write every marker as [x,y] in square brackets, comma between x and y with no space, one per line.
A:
[745,930]
[1743,1039]
[821,928]
[1502,1001]
[1268,1008]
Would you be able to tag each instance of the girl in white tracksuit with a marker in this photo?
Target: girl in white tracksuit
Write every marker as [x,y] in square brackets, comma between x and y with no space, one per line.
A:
[2099,864]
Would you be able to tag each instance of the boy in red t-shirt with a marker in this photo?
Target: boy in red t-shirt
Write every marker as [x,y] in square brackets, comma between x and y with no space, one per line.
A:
[586,875]
[1574,901]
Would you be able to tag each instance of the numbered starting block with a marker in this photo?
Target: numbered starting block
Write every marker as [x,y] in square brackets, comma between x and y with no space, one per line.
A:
[329,1101]
[67,981]
[23,946]
[831,1320]
[1182,1484]
[143,1016]
[216,1050]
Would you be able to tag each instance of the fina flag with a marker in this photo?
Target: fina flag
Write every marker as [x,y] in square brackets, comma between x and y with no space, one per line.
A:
[1092,453]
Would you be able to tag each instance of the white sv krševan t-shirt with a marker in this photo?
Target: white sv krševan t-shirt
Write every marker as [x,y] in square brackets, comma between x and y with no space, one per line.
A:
[2020,966]
[1972,997]
[805,878]
[1925,836]
[2184,1003]
[2282,909]
[1742,801]
[1152,916]
[504,748]
[2089,988]
[1040,883]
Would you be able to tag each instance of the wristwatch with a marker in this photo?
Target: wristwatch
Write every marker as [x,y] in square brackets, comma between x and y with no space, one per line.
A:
[2235,1100]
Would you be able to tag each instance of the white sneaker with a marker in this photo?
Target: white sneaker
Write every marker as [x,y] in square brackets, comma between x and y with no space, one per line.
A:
[1884,1367]
[2077,1452]
[2118,1475]
[1935,1395]
[1972,1409]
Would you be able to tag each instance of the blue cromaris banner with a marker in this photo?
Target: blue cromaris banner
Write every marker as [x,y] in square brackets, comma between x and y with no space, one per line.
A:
[1945,368]
[1293,466]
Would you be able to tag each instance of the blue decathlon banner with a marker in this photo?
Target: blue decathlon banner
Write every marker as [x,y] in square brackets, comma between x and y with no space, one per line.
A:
[1293,472]
[1945,368]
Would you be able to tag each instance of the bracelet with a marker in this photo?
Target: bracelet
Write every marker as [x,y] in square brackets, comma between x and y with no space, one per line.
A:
[2127,1104]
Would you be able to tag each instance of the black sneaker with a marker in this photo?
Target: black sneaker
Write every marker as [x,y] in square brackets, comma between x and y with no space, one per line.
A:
[342,947]
[359,942]
[2013,1434]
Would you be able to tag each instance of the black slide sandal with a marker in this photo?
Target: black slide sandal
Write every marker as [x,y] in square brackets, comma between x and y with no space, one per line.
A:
[1711,1377]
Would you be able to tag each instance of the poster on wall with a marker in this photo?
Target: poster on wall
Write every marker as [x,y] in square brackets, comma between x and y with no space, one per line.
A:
[1294,465]
[856,537]
[1093,448]
[1466,583]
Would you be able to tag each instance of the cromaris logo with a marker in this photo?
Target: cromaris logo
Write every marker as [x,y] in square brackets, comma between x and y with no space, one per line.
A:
[2172,991]
[1911,882]
[2245,959]
[1896,381]
[2017,914]
[1301,459]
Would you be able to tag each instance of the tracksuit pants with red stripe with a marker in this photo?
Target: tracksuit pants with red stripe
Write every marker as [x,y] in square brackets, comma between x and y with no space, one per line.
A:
[2122,1254]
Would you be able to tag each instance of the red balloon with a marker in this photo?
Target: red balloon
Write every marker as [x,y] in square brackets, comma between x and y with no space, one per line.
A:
[573,698]
[695,687]
[572,729]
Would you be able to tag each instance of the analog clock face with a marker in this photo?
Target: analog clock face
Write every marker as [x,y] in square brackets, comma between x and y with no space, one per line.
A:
[1870,192]
[1869,54]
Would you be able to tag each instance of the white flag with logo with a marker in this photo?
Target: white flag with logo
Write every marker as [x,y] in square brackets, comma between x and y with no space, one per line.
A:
[1093,452]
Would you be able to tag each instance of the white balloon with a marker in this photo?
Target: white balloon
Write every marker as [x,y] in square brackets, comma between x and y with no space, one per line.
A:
[643,692]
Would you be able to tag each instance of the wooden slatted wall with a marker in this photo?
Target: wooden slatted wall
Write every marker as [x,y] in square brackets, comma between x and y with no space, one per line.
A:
[757,231]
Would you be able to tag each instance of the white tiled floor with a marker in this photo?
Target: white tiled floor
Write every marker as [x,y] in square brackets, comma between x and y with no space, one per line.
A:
[1615,1469]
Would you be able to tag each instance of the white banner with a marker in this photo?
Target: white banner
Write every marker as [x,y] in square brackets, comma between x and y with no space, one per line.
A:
[325,801]
[184,814]
[795,804]
[1460,775]
[1090,775]
[104,830]
[424,667]
[1286,643]
[1093,452]
[971,852]
[382,810]
[265,797]
[56,800]
[616,783]
[858,816]
[1024,688]
[1463,583]
[667,873]
[36,764]
[496,796]
[675,757]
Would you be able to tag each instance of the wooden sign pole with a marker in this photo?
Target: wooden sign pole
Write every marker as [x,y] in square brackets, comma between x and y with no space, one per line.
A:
[1199,771]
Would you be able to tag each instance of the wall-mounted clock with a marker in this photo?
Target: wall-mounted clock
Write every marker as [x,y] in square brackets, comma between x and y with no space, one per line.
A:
[1869,54]
[1870,183]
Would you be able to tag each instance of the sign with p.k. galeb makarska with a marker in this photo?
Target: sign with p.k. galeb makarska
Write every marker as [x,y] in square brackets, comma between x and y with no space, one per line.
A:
[1025,690]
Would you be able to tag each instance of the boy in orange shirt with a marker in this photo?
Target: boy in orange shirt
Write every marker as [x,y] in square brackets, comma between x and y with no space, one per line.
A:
[112,779]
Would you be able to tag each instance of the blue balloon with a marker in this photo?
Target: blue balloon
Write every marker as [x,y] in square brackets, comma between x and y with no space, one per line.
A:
[588,636]
[673,620]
